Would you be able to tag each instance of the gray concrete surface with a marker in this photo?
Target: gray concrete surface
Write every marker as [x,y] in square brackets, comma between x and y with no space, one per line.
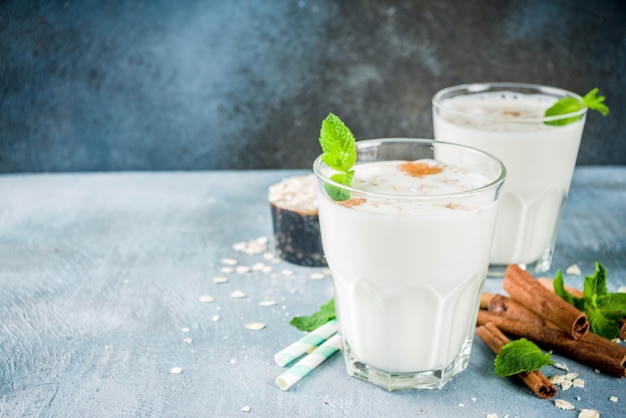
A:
[101,274]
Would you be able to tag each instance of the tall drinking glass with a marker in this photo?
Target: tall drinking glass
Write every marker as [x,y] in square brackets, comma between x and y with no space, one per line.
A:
[409,251]
[507,120]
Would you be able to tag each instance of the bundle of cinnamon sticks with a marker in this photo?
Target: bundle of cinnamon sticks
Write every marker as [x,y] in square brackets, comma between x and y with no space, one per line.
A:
[534,312]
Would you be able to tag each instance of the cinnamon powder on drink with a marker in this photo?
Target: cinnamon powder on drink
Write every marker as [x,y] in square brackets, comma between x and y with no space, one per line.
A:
[419,169]
[350,203]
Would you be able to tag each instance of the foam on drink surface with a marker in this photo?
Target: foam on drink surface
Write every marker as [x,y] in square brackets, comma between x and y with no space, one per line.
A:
[498,111]
[425,177]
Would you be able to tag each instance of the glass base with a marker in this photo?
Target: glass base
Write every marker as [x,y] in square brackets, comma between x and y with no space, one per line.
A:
[430,379]
[541,265]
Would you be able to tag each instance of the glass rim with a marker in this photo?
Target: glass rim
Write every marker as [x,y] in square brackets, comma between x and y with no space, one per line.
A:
[474,88]
[493,184]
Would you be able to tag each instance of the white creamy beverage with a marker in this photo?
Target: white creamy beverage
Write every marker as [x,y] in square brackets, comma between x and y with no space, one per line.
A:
[408,272]
[539,160]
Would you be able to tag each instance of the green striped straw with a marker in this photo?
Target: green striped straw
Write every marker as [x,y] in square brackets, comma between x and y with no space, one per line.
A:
[306,343]
[308,363]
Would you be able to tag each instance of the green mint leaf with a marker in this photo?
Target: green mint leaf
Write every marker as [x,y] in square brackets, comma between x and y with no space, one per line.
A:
[562,107]
[567,105]
[338,144]
[559,289]
[339,153]
[601,325]
[592,101]
[520,356]
[336,193]
[596,283]
[603,309]
[317,319]
[612,305]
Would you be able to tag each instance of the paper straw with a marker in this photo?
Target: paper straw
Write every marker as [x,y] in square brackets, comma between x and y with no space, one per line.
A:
[306,343]
[308,363]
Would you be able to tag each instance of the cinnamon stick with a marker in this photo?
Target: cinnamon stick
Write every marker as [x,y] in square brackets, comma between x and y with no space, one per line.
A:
[549,284]
[524,288]
[592,350]
[512,309]
[484,300]
[535,380]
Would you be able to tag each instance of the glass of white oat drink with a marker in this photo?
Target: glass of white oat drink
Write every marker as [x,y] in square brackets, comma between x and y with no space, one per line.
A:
[507,120]
[408,246]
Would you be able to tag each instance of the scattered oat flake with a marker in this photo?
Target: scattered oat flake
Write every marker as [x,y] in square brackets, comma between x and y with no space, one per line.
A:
[613,399]
[287,272]
[561,366]
[215,318]
[557,379]
[220,280]
[588,413]
[237,294]
[227,270]
[566,384]
[187,340]
[255,326]
[317,276]
[561,404]
[245,409]
[206,298]
[229,261]
[267,269]
[176,370]
[255,246]
[571,376]
[578,383]
[242,269]
[258,266]
[185,329]
[492,415]
[573,270]
[267,303]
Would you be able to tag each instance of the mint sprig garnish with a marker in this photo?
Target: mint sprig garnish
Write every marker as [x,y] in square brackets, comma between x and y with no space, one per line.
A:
[339,147]
[603,309]
[317,319]
[567,105]
[520,356]
[595,102]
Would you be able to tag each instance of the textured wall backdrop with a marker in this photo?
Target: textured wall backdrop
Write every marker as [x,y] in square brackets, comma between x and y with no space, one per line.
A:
[165,85]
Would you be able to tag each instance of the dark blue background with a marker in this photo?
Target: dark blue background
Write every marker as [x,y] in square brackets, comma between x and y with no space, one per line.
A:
[187,85]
